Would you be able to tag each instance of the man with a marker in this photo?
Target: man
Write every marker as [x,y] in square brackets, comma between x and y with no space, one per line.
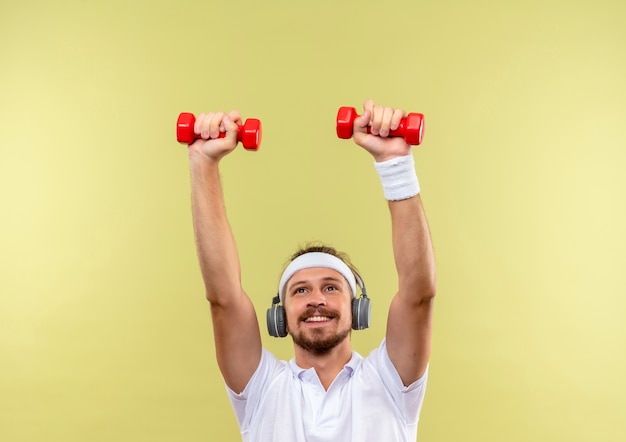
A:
[327,392]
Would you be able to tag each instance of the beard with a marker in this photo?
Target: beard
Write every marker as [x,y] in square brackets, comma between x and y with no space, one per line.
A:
[315,342]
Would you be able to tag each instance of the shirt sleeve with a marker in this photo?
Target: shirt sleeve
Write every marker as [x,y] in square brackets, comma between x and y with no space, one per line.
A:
[244,403]
[408,398]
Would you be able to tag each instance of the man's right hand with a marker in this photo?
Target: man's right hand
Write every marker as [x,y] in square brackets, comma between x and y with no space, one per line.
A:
[209,126]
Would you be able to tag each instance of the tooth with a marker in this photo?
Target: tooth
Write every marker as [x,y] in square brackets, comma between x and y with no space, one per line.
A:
[317,319]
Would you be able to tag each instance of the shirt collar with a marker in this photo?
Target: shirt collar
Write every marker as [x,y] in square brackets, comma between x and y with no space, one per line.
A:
[349,368]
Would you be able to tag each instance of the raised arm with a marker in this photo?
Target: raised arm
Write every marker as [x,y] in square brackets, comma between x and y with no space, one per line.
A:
[236,330]
[409,325]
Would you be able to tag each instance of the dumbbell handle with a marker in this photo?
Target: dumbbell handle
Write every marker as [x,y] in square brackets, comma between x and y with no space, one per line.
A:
[411,127]
[249,133]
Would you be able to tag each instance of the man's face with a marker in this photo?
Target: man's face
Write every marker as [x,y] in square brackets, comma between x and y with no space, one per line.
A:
[318,305]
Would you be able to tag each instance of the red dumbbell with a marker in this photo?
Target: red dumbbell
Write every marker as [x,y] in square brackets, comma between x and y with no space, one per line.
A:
[411,127]
[248,133]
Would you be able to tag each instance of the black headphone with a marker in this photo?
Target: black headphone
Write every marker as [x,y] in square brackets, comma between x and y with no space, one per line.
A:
[361,312]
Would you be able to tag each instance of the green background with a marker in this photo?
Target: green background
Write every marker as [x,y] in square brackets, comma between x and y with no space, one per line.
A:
[104,330]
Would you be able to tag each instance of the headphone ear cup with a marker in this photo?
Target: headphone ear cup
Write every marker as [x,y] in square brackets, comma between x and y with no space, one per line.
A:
[276,322]
[361,313]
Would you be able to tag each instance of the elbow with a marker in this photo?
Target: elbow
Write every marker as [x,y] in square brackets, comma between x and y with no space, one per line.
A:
[223,297]
[430,285]
[422,290]
[426,293]
[213,298]
[210,296]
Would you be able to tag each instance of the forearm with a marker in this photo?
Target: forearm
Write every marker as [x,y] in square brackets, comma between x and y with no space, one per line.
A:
[413,250]
[215,244]
[412,245]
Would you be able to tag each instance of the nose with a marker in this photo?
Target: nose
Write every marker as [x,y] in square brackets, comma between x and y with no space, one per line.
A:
[316,299]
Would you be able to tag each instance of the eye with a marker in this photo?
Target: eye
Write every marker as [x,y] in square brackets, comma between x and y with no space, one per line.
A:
[299,290]
[331,288]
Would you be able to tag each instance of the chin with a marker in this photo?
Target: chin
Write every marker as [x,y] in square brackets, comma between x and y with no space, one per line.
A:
[318,344]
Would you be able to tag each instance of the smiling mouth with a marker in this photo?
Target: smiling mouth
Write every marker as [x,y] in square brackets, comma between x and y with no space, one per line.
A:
[317,319]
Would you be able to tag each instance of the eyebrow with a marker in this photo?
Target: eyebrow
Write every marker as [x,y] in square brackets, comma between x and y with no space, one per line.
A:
[323,279]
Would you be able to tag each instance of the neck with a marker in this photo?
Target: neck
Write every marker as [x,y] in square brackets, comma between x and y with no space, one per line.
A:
[328,365]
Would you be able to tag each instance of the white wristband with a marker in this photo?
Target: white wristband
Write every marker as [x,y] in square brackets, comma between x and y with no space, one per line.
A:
[398,178]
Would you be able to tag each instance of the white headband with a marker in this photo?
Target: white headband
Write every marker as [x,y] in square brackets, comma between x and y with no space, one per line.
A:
[316,259]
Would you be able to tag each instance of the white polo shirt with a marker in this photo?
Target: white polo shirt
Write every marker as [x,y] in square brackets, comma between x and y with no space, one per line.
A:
[366,402]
